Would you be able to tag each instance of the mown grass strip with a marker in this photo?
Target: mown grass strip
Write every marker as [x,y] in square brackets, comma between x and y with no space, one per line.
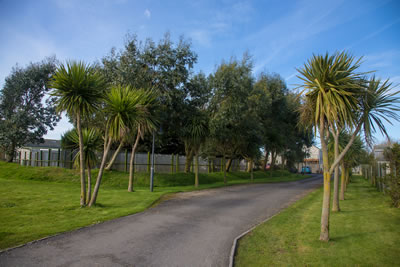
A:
[36,202]
[366,232]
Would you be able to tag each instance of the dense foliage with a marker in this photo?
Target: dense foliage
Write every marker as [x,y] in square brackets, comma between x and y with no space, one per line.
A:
[26,110]
[392,180]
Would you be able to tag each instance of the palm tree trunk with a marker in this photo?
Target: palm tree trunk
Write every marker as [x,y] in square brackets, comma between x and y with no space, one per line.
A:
[100,174]
[335,203]
[248,166]
[196,168]
[342,181]
[189,160]
[132,163]
[223,164]
[324,235]
[273,158]
[114,157]
[89,184]
[81,160]
[228,165]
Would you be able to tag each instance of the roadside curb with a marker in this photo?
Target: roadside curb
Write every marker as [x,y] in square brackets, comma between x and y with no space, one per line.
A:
[235,241]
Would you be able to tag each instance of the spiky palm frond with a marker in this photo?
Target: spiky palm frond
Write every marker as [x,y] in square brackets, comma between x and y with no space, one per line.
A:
[92,141]
[127,108]
[78,88]
[378,105]
[332,86]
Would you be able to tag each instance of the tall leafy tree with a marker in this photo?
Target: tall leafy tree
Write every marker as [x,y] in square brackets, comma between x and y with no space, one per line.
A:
[274,108]
[164,67]
[78,88]
[26,110]
[195,108]
[231,85]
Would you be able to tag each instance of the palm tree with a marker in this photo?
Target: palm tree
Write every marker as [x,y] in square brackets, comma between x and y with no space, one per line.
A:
[78,88]
[338,97]
[332,86]
[123,108]
[145,123]
[196,132]
[92,140]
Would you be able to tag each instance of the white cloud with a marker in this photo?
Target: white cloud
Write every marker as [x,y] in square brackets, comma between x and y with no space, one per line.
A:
[202,37]
[147,13]
[219,23]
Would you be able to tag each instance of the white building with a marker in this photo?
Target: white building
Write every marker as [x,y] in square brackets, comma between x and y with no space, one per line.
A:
[313,159]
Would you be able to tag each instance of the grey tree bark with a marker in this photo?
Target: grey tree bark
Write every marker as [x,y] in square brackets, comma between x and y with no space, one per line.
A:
[132,163]
[100,174]
[81,160]
[335,203]
[114,157]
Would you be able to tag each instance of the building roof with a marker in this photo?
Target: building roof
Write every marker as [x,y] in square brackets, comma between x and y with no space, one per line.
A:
[47,143]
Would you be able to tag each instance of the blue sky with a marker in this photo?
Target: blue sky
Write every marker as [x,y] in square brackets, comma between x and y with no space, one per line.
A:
[280,35]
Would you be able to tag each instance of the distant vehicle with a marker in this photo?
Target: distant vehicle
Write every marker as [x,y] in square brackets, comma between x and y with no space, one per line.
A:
[306,170]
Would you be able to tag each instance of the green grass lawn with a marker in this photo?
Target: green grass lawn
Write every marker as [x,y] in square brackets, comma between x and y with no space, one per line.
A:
[366,232]
[40,201]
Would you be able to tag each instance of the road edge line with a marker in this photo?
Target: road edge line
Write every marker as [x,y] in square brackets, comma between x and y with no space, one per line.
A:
[235,241]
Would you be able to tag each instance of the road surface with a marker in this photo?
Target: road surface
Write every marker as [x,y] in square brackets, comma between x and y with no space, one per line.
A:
[192,229]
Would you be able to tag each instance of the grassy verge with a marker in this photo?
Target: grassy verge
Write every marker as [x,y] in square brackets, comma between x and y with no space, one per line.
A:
[39,201]
[365,232]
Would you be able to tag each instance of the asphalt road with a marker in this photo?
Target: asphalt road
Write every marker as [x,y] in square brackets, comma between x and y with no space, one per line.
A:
[192,229]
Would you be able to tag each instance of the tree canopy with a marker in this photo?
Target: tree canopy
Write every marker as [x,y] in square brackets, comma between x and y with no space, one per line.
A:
[27,112]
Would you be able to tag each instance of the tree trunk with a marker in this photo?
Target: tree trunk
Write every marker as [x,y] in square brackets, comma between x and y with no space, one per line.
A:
[223,164]
[189,160]
[228,165]
[89,184]
[324,235]
[132,163]
[100,174]
[196,170]
[114,157]
[81,160]
[273,158]
[342,182]
[10,153]
[335,203]
[248,166]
